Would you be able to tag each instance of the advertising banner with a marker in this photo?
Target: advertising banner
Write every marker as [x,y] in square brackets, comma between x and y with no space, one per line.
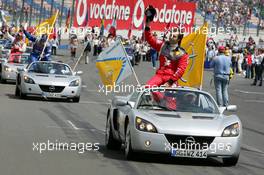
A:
[90,13]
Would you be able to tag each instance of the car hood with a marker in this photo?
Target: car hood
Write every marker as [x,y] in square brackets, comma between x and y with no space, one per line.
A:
[183,123]
[55,80]
[16,65]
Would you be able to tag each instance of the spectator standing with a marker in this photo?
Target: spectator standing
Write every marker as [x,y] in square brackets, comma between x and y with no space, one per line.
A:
[73,45]
[154,57]
[137,55]
[240,60]
[248,60]
[54,45]
[88,48]
[222,66]
[144,50]
[96,45]
[259,61]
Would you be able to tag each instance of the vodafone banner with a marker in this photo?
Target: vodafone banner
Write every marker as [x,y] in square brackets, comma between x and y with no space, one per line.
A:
[90,13]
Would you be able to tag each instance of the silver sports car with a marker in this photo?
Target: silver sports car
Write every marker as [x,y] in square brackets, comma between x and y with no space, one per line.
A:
[49,80]
[9,68]
[180,122]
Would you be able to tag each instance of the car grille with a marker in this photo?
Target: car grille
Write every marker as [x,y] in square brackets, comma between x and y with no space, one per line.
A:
[191,142]
[53,89]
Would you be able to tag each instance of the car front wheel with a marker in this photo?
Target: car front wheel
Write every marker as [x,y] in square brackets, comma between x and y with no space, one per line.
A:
[17,93]
[76,99]
[232,161]
[110,141]
[3,81]
[21,94]
[129,153]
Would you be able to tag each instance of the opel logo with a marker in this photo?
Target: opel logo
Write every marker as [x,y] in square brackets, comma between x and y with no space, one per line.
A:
[52,88]
[189,139]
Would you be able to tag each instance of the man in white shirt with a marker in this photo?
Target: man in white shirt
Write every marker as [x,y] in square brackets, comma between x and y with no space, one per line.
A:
[259,66]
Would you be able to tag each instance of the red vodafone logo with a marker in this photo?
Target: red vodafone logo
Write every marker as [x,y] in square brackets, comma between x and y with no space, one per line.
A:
[138,15]
[81,12]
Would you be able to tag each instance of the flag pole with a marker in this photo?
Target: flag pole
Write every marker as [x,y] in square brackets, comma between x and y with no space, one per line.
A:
[78,60]
[135,75]
[45,45]
[205,25]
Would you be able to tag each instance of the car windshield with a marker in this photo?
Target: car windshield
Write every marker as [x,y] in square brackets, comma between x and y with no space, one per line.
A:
[19,59]
[178,100]
[50,68]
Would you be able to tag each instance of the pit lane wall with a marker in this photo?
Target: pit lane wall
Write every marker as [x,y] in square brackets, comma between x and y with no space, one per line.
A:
[130,14]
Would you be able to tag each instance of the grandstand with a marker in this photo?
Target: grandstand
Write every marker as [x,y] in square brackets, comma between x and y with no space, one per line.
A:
[14,7]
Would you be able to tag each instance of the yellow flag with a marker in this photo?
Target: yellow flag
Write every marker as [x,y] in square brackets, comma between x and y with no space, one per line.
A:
[109,71]
[113,65]
[194,44]
[46,26]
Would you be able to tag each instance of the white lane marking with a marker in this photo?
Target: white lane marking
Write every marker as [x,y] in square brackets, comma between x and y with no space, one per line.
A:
[57,127]
[251,148]
[255,101]
[94,102]
[84,86]
[74,127]
[91,90]
[249,92]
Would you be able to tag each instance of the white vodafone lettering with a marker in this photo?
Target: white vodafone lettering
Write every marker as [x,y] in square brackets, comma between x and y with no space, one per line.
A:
[80,19]
[109,11]
[165,15]
[137,22]
[189,18]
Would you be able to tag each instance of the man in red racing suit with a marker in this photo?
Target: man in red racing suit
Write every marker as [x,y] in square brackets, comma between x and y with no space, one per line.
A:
[173,59]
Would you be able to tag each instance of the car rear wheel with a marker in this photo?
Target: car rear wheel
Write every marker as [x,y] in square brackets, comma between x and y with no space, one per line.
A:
[21,94]
[17,93]
[76,99]
[129,153]
[3,81]
[232,161]
[110,141]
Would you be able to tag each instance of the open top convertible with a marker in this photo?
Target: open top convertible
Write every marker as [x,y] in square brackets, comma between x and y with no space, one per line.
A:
[180,122]
[49,80]
[9,68]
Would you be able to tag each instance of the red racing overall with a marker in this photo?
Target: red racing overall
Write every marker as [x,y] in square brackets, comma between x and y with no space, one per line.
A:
[169,69]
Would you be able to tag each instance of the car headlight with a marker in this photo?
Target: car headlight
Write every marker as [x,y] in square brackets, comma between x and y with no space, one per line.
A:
[28,80]
[75,83]
[144,125]
[7,69]
[231,131]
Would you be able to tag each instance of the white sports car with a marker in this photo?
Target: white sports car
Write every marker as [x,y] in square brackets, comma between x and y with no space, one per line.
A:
[9,67]
[49,79]
[180,122]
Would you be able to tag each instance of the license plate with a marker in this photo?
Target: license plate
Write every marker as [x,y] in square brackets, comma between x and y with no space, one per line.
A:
[50,95]
[189,153]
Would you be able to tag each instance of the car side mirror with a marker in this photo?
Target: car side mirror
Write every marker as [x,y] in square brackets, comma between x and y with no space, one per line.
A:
[79,72]
[120,102]
[230,108]
[131,104]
